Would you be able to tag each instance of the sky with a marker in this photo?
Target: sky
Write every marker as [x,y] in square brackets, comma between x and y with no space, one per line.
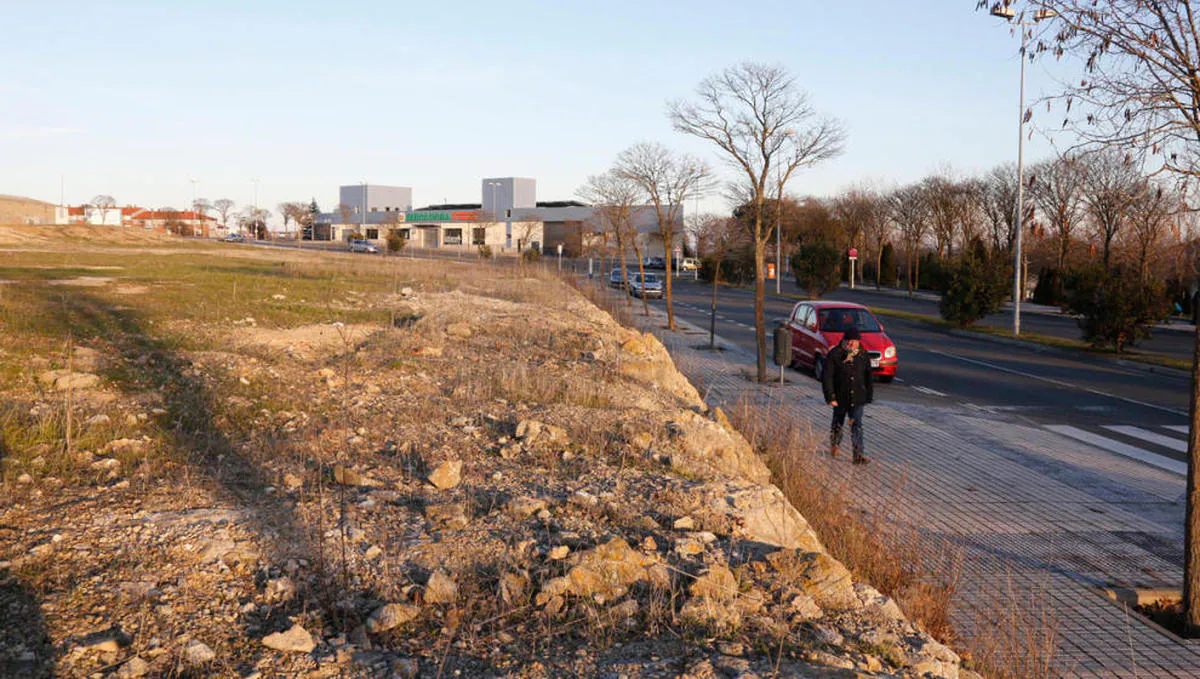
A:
[136,99]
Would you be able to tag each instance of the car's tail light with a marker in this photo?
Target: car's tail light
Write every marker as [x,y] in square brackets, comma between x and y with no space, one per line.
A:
[890,352]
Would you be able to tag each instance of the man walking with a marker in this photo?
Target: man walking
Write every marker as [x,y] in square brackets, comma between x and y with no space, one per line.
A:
[848,387]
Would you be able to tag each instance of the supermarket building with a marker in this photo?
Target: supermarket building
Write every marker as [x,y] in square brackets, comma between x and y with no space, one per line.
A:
[508,218]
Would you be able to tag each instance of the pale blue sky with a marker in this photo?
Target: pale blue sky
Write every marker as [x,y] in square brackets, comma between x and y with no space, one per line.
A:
[133,99]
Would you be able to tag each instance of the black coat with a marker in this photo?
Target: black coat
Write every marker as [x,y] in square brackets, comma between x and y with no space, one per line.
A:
[848,382]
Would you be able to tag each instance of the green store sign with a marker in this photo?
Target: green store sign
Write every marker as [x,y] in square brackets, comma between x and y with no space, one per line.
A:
[442,216]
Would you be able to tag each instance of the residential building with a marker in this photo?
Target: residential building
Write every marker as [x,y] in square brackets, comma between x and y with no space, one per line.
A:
[179,222]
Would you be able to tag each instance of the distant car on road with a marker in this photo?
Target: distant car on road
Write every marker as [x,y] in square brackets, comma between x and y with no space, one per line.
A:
[654,262]
[817,327]
[234,238]
[363,246]
[646,285]
[689,264]
[615,280]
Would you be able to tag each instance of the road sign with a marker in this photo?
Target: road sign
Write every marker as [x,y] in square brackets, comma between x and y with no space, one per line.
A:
[853,253]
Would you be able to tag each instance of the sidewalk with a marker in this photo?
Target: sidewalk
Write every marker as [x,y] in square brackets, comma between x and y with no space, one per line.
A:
[1033,511]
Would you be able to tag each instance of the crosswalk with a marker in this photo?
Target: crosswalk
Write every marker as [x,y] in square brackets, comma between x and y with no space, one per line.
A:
[1143,443]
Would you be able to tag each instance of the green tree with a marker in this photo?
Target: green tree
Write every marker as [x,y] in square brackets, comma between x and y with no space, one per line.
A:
[887,266]
[817,265]
[1116,306]
[395,241]
[975,288]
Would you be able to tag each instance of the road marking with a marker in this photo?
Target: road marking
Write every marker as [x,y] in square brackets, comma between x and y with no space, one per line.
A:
[1152,459]
[899,380]
[1060,383]
[1149,437]
[927,390]
[1181,428]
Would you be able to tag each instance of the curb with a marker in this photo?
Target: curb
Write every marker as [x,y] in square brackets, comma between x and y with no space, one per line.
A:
[1037,346]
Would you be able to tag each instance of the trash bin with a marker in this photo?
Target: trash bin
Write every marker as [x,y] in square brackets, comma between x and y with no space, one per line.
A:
[783,345]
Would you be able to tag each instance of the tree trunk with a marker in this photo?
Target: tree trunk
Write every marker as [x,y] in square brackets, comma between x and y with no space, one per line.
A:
[760,290]
[667,285]
[624,274]
[878,265]
[917,274]
[712,316]
[641,276]
[1191,539]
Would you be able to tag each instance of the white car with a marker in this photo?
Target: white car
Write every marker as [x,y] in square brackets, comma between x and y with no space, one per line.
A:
[364,246]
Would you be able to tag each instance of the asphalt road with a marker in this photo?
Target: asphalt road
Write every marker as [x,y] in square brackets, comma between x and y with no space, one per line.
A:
[1047,387]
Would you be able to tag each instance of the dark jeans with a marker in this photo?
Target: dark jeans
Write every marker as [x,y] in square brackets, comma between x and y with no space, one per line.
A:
[856,428]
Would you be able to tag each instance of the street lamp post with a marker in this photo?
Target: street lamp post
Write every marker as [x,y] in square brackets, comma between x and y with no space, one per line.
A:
[194,182]
[1010,15]
[254,217]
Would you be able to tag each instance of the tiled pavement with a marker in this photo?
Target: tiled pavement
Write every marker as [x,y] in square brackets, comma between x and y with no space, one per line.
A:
[1036,513]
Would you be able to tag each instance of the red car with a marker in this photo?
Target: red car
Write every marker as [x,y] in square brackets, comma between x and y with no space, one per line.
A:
[817,327]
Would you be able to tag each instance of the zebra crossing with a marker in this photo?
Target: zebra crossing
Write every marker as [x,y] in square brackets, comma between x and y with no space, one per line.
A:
[1147,444]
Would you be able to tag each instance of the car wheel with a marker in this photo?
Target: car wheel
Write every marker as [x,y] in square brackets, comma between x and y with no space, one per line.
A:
[818,367]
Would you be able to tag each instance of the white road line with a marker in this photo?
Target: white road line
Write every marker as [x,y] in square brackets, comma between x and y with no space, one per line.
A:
[1152,459]
[1181,428]
[1061,383]
[1149,437]
[927,390]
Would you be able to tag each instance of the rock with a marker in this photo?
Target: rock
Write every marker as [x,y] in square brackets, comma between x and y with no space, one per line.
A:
[64,380]
[766,516]
[406,292]
[685,523]
[707,449]
[531,431]
[133,668]
[98,419]
[432,352]
[390,616]
[278,297]
[105,641]
[280,589]
[559,553]
[406,668]
[643,440]
[513,587]
[447,475]
[604,574]
[198,653]
[525,507]
[373,552]
[804,608]
[351,477]
[458,330]
[718,584]
[24,479]
[295,640]
[106,463]
[452,515]
[292,481]
[440,588]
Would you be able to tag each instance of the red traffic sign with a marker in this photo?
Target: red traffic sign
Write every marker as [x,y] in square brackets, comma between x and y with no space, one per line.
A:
[853,253]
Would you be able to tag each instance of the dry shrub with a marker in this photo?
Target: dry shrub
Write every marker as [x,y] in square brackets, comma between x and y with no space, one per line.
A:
[876,537]
[1016,633]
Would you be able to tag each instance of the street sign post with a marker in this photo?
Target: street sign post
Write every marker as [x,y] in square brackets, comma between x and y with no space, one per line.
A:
[853,259]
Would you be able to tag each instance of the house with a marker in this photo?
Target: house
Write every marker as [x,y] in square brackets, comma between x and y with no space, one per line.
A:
[179,222]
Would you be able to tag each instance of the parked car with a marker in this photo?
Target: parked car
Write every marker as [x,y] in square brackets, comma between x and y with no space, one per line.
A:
[615,280]
[689,264]
[364,246]
[648,285]
[817,327]
[234,238]
[654,262]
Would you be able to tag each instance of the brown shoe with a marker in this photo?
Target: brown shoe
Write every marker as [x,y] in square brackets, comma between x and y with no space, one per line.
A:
[860,459]
[833,451]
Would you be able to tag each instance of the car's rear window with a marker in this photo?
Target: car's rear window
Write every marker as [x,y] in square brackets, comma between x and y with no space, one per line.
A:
[841,320]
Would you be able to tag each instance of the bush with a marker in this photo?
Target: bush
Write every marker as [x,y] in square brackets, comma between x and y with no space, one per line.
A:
[1117,307]
[817,266]
[395,242]
[1049,288]
[485,252]
[976,288]
[935,274]
[531,255]
[887,266]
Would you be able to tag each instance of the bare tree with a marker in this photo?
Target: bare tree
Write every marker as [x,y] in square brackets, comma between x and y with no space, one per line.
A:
[615,196]
[668,179]
[865,212]
[102,204]
[715,237]
[1140,93]
[995,195]
[1057,187]
[1111,186]
[909,208]
[1150,213]
[951,212]
[223,206]
[201,207]
[766,129]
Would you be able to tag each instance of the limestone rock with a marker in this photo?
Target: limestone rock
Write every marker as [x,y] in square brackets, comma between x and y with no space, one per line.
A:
[765,516]
[524,507]
[352,477]
[391,616]
[708,450]
[133,668]
[198,653]
[63,380]
[447,475]
[451,515]
[440,589]
[295,640]
[819,576]
[605,574]
[462,330]
[532,431]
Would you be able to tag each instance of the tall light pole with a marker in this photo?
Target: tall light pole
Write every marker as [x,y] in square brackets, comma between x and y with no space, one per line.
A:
[254,217]
[1010,15]
[363,218]
[194,182]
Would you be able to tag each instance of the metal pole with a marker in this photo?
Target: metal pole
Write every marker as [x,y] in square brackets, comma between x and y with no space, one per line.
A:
[778,262]
[1016,324]
[852,261]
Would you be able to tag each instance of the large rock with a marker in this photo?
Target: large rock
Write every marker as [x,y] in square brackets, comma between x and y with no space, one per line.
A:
[295,640]
[532,431]
[440,589]
[819,576]
[63,380]
[390,616]
[644,359]
[198,653]
[764,515]
[447,475]
[604,574]
[707,449]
